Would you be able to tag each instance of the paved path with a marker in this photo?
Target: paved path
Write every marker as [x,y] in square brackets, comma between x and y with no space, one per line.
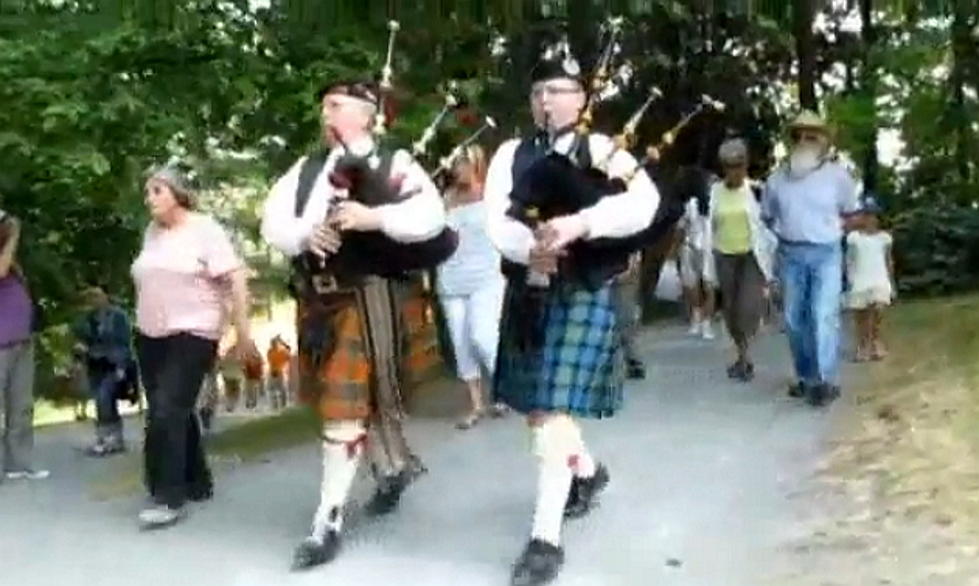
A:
[701,471]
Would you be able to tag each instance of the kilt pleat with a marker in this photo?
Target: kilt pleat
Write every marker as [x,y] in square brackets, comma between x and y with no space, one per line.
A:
[334,364]
[577,368]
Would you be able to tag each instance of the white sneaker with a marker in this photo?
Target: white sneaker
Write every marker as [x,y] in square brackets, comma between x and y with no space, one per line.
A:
[159,516]
[708,330]
[694,328]
[28,475]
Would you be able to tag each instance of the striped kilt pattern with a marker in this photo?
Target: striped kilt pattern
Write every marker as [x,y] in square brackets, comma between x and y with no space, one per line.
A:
[334,364]
[578,368]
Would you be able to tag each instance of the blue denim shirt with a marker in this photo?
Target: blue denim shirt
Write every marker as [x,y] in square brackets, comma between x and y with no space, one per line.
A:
[810,208]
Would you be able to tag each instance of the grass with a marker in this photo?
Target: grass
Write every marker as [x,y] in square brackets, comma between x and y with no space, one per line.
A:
[909,449]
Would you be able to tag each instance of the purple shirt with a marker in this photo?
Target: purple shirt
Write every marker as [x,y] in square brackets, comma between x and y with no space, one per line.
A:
[15,311]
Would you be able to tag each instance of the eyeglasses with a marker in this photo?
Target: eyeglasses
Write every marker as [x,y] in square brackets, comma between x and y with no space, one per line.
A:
[539,92]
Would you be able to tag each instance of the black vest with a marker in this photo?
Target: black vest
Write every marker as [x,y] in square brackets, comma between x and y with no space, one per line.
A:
[591,263]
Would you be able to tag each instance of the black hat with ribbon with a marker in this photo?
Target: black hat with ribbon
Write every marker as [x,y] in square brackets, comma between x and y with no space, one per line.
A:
[367,91]
[557,62]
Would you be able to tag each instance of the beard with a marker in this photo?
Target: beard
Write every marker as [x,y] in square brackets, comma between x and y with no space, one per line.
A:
[804,161]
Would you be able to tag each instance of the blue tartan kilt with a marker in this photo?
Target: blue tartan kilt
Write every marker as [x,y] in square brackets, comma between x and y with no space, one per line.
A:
[579,368]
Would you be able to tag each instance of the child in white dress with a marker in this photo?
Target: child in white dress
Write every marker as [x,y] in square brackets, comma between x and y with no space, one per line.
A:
[870,267]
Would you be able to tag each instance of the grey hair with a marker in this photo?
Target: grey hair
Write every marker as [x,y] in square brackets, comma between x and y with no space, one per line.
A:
[732,151]
[179,183]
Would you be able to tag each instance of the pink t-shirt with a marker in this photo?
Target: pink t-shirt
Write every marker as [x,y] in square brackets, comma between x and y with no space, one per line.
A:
[181,279]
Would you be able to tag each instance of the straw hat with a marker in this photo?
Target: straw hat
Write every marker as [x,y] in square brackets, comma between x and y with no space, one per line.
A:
[809,120]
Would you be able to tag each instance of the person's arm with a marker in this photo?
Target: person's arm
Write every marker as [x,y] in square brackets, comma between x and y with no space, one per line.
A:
[225,264]
[239,311]
[848,199]
[280,226]
[769,203]
[9,251]
[890,265]
[513,239]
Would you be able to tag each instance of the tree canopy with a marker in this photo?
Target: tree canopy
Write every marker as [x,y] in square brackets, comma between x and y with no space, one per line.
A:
[96,92]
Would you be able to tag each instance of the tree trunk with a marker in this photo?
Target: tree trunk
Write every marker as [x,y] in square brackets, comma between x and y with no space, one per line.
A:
[869,75]
[961,53]
[803,12]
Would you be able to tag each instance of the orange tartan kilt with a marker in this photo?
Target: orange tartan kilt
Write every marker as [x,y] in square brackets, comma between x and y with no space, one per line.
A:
[334,377]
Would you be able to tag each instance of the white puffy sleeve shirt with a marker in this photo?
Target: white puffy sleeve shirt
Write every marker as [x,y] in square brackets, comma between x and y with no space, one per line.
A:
[419,217]
[614,216]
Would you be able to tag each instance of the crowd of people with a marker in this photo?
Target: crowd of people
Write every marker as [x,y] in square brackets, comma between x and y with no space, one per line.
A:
[526,335]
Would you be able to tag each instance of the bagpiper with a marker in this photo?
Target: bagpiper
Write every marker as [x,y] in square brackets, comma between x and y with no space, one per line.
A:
[560,356]
[346,253]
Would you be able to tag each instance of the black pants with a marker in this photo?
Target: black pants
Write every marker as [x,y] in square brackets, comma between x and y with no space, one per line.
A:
[173,369]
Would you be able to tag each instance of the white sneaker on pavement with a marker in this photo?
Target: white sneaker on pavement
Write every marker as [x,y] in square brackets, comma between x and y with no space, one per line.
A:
[708,330]
[695,328]
[28,474]
[159,516]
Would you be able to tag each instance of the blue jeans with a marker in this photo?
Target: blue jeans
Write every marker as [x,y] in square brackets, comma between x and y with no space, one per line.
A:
[812,286]
[103,382]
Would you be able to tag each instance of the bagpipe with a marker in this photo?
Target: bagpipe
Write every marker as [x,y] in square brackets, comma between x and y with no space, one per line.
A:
[561,184]
[368,179]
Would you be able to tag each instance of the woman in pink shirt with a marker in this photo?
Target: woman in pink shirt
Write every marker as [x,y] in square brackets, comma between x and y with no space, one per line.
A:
[187,275]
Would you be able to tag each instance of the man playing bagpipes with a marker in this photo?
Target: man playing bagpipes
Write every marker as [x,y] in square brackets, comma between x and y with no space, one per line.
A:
[348,217]
[560,355]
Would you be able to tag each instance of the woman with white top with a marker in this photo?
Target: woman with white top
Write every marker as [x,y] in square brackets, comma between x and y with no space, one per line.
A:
[696,265]
[469,284]
[741,248]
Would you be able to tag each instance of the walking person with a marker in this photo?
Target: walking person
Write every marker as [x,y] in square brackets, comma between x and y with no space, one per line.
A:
[470,284]
[560,356]
[104,334]
[807,202]
[870,265]
[697,274]
[254,381]
[232,377]
[17,325]
[350,332]
[186,274]
[279,357]
[740,247]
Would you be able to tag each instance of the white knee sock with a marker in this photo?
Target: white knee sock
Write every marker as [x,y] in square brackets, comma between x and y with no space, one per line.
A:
[555,443]
[342,449]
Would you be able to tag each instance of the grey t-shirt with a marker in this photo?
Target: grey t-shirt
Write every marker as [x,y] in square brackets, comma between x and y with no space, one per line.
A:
[809,209]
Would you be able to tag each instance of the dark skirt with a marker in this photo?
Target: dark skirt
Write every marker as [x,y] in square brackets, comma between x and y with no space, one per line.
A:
[578,366]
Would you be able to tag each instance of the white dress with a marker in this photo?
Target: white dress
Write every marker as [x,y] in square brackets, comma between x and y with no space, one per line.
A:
[867,269]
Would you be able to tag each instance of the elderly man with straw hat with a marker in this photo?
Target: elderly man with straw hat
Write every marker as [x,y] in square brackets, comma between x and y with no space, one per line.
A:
[807,202]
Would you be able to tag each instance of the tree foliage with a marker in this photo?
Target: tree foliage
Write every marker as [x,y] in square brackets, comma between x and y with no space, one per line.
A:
[97,91]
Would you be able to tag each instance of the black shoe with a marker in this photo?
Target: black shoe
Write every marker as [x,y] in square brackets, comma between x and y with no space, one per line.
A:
[736,370]
[819,395]
[636,370]
[200,493]
[388,494]
[313,552]
[797,390]
[747,372]
[538,564]
[584,492]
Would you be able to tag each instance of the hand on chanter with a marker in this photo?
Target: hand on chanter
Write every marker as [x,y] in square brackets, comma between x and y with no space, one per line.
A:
[324,240]
[356,216]
[563,230]
[543,257]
